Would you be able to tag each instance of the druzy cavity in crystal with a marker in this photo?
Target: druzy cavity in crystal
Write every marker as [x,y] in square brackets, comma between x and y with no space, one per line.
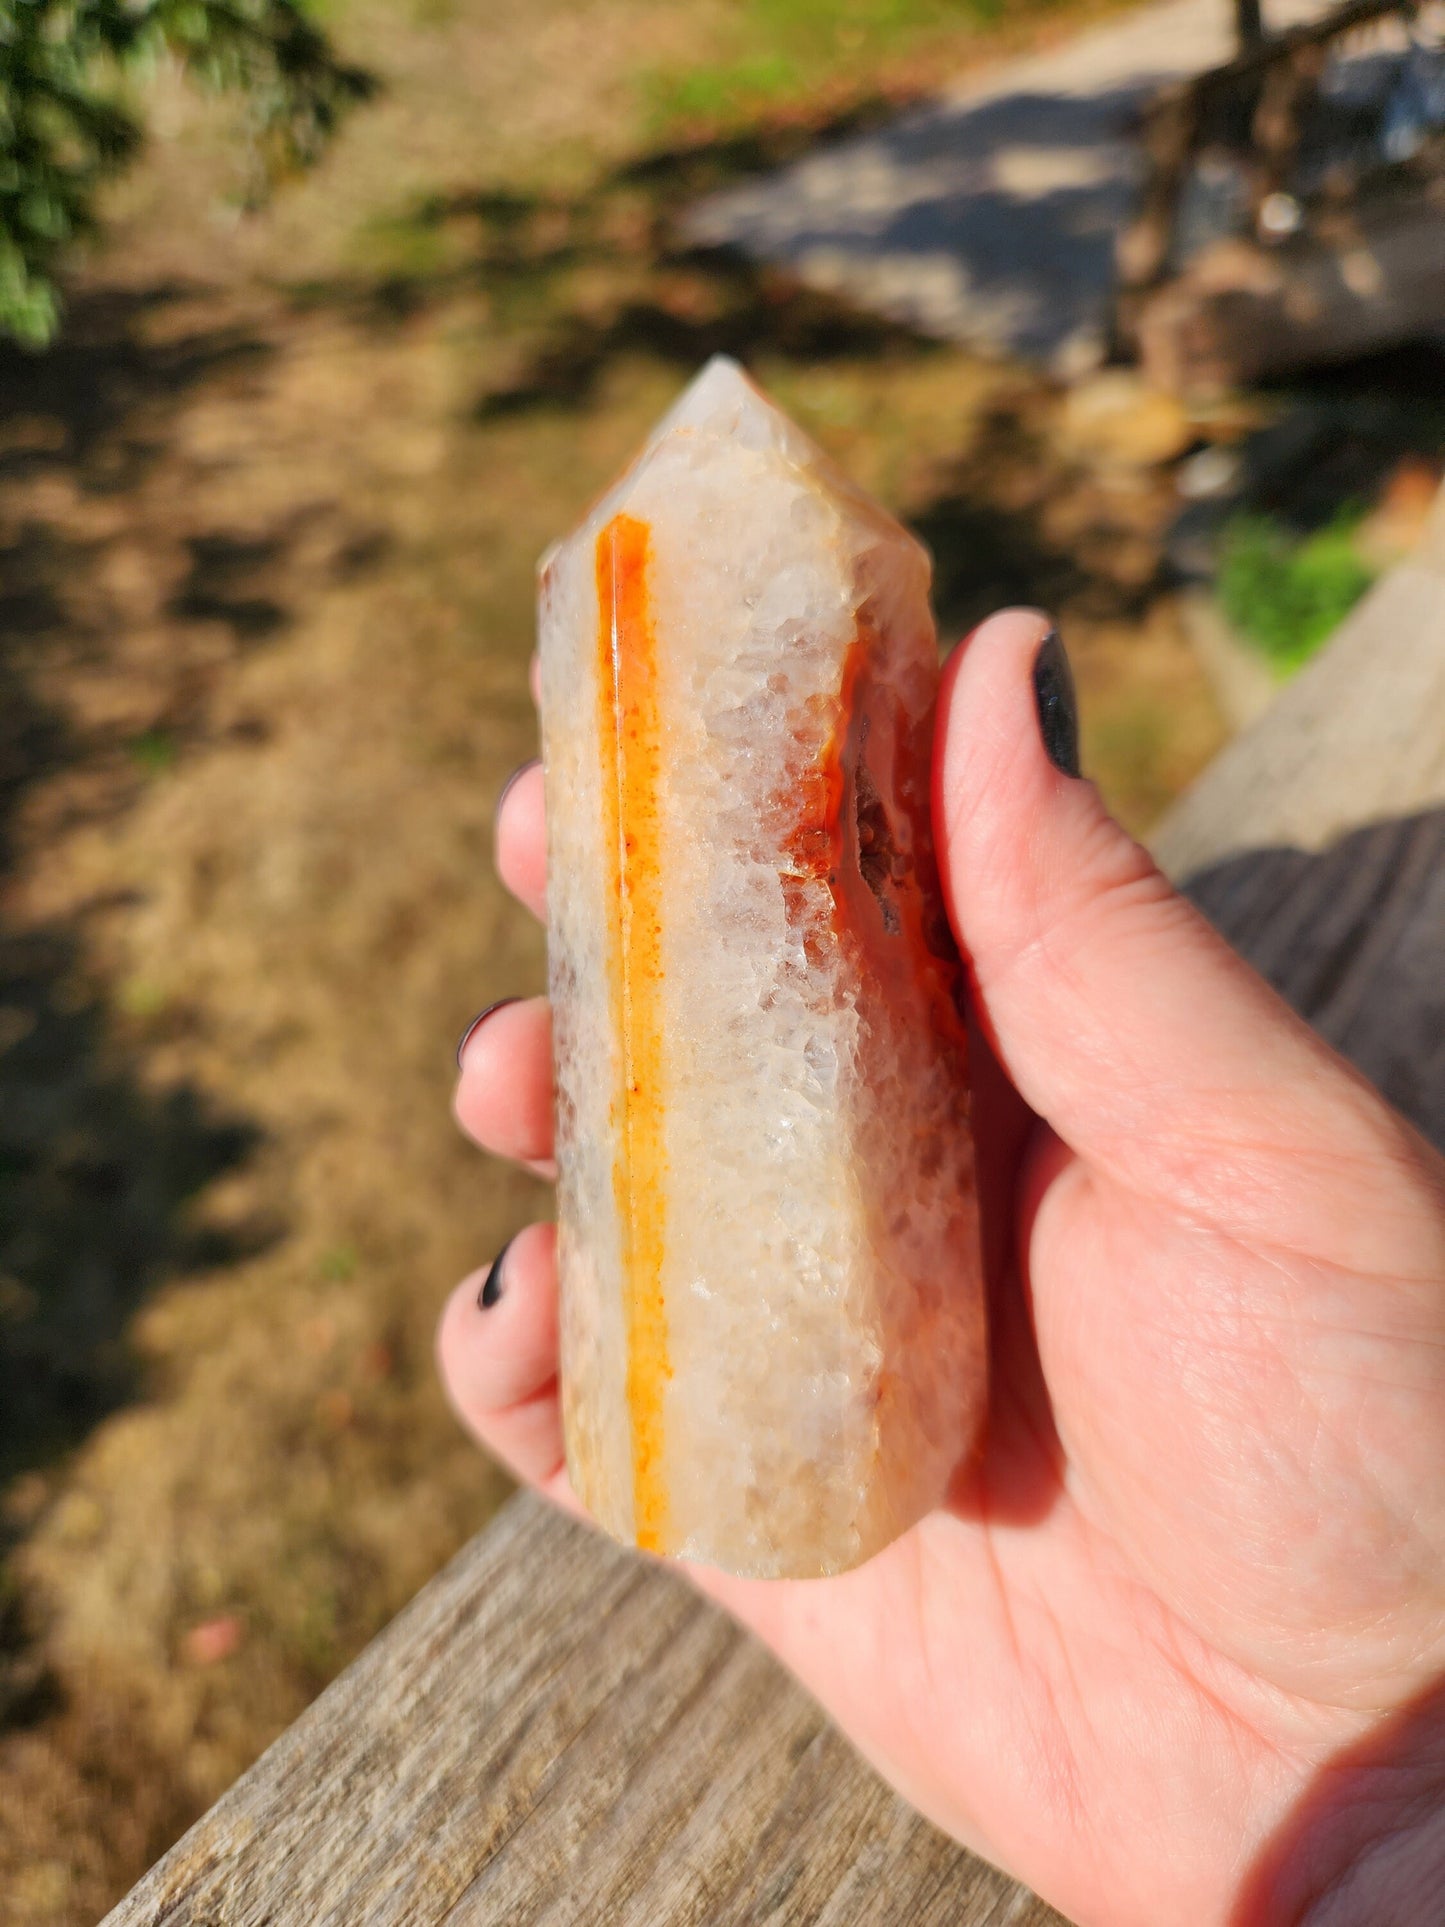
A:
[772,1313]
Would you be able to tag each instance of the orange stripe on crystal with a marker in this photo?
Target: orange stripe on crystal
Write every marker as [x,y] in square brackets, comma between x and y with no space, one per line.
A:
[630,734]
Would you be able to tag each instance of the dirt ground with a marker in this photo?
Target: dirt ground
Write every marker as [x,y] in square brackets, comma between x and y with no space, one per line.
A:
[268,518]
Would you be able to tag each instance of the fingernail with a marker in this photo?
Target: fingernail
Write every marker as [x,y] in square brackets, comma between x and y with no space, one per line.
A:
[516,776]
[1057,705]
[491,1289]
[475,1025]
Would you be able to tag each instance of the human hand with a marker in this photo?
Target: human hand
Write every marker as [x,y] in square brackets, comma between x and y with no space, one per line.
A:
[1176,1652]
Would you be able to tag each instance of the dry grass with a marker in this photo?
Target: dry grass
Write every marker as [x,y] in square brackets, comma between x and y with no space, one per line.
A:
[267,596]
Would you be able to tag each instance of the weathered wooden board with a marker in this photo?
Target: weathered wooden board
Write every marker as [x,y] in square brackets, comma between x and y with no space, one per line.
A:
[555,1733]
[1355,939]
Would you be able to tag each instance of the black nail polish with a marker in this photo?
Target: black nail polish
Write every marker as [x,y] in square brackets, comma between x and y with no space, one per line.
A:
[475,1025]
[491,1289]
[1057,705]
[516,776]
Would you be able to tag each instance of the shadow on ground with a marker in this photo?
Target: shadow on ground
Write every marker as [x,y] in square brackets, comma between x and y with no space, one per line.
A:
[88,400]
[576,289]
[99,1167]
[992,222]
[589,280]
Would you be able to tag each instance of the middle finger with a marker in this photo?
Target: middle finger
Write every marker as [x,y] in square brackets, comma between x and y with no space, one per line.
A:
[504,1095]
[522,838]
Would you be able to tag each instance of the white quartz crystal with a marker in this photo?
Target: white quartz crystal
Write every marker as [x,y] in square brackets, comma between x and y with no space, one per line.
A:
[772,1315]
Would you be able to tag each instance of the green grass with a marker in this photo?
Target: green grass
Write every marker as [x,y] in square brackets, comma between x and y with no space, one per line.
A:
[779,50]
[153,752]
[1286,595]
[142,999]
[338,1266]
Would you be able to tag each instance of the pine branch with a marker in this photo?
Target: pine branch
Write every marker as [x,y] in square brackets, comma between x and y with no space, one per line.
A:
[63,130]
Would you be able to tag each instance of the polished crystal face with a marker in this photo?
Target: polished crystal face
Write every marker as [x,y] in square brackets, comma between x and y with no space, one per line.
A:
[772,1315]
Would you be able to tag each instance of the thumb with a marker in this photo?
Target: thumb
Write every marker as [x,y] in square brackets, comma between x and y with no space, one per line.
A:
[1121,1016]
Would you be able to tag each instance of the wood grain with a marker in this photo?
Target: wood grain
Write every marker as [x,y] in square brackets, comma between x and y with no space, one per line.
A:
[555,1732]
[1354,937]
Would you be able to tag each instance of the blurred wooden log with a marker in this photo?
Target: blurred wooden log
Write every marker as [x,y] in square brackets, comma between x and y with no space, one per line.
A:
[556,1732]
[1240,312]
[1269,82]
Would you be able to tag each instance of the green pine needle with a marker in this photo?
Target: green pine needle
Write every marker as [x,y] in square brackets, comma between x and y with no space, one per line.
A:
[63,131]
